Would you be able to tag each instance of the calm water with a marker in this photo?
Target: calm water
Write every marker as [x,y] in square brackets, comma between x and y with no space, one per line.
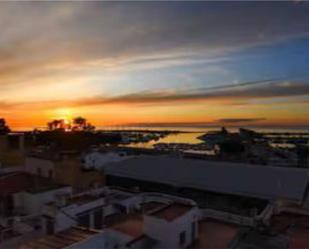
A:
[190,138]
[191,134]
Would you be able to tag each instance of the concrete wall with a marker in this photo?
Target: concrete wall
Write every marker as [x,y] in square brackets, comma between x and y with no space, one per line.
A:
[33,203]
[70,171]
[168,233]
[66,217]
[32,164]
[11,157]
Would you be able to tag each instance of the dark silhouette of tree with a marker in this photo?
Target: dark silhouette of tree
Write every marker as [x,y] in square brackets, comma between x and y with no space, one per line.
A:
[57,124]
[89,127]
[4,129]
[79,123]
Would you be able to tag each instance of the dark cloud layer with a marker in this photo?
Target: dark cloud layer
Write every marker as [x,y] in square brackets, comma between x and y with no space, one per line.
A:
[239,120]
[232,94]
[35,36]
[242,91]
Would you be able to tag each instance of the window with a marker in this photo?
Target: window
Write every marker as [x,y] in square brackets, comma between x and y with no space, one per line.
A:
[50,174]
[193,231]
[39,171]
[98,219]
[182,238]
[50,226]
[84,220]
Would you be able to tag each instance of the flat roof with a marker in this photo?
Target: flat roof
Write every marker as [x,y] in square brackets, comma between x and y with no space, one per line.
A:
[62,239]
[260,181]
[297,226]
[82,199]
[131,224]
[215,234]
[171,212]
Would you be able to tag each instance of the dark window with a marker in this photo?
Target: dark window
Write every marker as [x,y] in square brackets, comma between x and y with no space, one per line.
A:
[39,171]
[98,219]
[193,231]
[50,226]
[84,220]
[182,238]
[50,173]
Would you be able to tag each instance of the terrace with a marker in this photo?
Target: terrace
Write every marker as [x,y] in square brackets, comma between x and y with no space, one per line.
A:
[171,212]
[61,240]
[295,226]
[215,234]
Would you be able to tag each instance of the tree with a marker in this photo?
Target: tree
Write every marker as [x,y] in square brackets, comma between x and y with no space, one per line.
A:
[80,123]
[90,127]
[4,129]
[56,124]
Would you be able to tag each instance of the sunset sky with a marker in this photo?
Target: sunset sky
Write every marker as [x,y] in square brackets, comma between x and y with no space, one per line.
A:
[232,63]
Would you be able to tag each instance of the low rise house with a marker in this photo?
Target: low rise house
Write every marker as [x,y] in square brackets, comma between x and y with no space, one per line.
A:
[64,167]
[151,224]
[87,209]
[24,193]
[12,150]
[22,197]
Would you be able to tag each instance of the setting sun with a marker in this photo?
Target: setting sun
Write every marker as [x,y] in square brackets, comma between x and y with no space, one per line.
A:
[64,113]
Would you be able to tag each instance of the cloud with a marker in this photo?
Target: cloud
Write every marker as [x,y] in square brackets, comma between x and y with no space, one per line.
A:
[239,120]
[242,92]
[234,94]
[36,37]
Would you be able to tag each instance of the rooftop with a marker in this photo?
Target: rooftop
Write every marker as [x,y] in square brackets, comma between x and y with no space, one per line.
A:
[233,178]
[171,212]
[54,155]
[297,227]
[62,239]
[131,224]
[82,199]
[215,234]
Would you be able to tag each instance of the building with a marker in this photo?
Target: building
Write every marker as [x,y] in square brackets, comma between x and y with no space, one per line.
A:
[156,220]
[23,193]
[11,150]
[22,198]
[130,221]
[167,172]
[87,209]
[64,167]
